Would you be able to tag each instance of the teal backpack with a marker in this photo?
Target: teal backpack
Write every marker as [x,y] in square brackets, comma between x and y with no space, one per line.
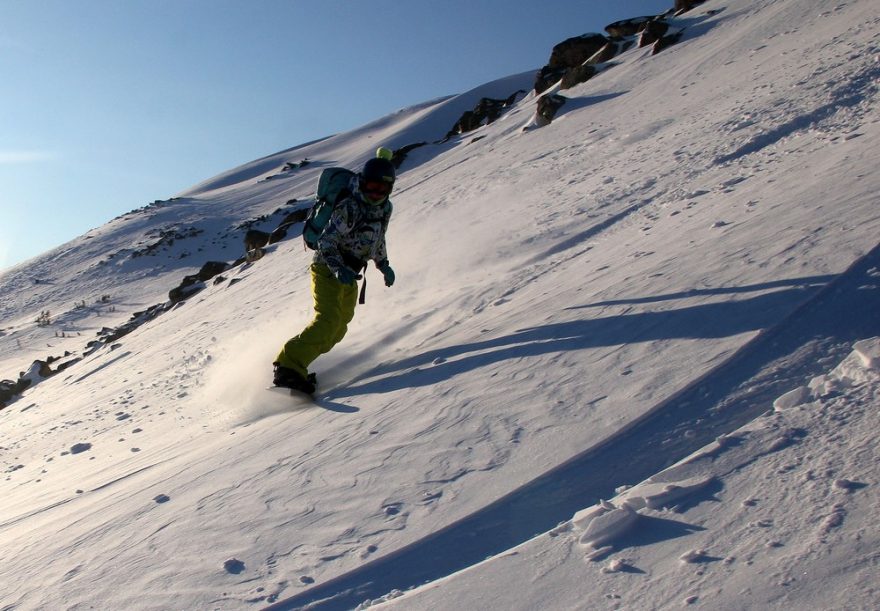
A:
[333,186]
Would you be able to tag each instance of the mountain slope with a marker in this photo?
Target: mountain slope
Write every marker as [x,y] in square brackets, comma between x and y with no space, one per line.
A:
[555,285]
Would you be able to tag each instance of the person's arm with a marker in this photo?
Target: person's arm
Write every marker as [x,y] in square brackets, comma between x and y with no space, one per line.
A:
[381,256]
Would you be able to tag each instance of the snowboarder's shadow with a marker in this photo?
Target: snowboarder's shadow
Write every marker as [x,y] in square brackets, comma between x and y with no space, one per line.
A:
[703,321]
[335,406]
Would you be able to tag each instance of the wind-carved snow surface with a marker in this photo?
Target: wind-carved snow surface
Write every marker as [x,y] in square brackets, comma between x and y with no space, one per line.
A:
[796,416]
[765,515]
[579,309]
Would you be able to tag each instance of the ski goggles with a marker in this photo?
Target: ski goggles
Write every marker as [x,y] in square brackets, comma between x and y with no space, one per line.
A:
[376,187]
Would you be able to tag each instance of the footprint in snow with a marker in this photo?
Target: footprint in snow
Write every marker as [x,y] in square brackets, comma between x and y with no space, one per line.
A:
[393,509]
[366,553]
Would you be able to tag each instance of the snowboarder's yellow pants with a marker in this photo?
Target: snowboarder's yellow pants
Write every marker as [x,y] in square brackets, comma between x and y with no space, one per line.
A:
[334,309]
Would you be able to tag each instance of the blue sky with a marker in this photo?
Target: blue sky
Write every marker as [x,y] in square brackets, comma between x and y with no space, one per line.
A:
[108,105]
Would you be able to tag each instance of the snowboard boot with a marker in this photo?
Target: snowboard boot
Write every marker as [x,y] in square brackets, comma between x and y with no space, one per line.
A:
[288,378]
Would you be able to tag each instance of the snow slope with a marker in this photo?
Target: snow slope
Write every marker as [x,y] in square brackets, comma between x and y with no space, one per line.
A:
[780,513]
[693,237]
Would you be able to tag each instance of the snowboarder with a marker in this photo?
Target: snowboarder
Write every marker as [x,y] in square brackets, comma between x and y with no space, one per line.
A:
[354,235]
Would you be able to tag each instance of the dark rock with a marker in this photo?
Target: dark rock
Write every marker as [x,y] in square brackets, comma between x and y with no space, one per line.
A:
[189,287]
[683,6]
[62,366]
[277,235]
[576,76]
[290,166]
[167,238]
[467,122]
[628,27]
[652,32]
[665,42]
[254,238]
[566,55]
[192,284]
[41,368]
[486,111]
[546,77]
[292,218]
[9,389]
[575,51]
[548,106]
[604,54]
[400,154]
[137,319]
[211,269]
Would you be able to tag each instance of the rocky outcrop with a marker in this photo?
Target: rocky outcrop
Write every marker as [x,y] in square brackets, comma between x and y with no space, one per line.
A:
[289,168]
[108,336]
[578,75]
[577,60]
[36,373]
[195,282]
[290,219]
[254,239]
[167,238]
[683,6]
[485,112]
[9,390]
[548,106]
[399,155]
[652,32]
[666,41]
[626,28]
[565,56]
[648,29]
[592,65]
[575,51]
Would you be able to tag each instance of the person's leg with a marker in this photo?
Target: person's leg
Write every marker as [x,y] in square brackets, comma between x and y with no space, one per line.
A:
[348,299]
[334,309]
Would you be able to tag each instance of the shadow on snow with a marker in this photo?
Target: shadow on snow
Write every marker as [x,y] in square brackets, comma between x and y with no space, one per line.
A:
[799,347]
[714,320]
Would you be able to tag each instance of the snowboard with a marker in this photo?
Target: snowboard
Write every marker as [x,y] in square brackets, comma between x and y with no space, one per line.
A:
[291,392]
[299,392]
[312,399]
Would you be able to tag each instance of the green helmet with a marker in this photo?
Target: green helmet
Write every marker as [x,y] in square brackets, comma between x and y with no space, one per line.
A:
[378,169]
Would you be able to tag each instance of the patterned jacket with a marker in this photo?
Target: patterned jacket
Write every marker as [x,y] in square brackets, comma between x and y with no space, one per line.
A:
[354,235]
